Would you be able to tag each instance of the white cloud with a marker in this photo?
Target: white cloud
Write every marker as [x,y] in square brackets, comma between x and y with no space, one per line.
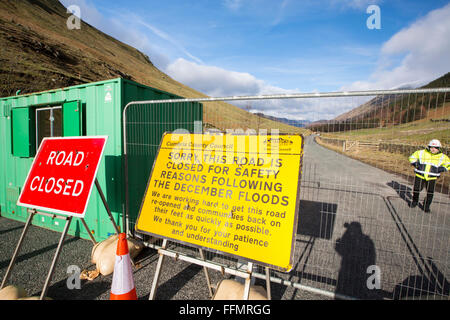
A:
[88,12]
[214,81]
[423,49]
[219,82]
[354,4]
[131,29]
[414,55]
[361,4]
[167,38]
[233,4]
[280,12]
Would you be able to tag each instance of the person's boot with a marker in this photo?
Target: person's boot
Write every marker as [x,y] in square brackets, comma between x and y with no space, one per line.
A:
[427,203]
[413,204]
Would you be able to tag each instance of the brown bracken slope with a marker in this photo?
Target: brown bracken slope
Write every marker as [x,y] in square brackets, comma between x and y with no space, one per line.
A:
[39,52]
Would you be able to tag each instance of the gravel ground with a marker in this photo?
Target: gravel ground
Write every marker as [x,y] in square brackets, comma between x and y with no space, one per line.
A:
[351,216]
[179,281]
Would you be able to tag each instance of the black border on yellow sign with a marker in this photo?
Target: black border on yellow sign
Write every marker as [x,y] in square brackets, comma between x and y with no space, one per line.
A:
[297,206]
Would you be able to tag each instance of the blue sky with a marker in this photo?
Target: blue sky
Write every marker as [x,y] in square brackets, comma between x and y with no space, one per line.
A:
[250,47]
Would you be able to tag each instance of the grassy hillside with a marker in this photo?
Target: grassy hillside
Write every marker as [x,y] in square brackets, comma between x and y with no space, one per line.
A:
[390,110]
[399,104]
[434,125]
[441,82]
[393,162]
[39,52]
[419,132]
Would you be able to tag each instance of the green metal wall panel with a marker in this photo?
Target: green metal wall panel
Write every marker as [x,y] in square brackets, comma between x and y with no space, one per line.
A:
[103,118]
[146,124]
[72,119]
[4,148]
[100,106]
[22,135]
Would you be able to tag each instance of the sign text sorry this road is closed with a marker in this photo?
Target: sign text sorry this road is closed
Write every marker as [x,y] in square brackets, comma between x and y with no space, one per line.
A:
[62,175]
[237,194]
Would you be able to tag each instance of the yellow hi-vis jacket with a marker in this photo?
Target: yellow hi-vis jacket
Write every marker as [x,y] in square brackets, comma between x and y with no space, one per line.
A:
[428,164]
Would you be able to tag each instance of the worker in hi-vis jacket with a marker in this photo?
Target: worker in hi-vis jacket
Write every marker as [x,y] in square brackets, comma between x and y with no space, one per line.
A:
[428,165]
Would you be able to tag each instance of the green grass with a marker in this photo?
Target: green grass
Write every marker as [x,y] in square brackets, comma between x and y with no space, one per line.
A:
[390,162]
[418,132]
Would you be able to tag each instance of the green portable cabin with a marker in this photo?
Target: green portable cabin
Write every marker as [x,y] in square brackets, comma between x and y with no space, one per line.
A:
[88,110]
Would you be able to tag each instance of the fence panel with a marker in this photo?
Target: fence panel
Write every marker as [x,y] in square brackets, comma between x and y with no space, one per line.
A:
[357,234]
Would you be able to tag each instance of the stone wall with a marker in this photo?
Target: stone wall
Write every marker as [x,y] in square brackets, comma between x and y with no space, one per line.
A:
[405,149]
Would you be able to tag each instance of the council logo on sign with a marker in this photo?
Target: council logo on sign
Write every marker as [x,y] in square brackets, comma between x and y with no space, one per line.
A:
[280,141]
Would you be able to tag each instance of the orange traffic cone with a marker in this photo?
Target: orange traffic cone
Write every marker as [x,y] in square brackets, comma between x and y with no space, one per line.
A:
[122,284]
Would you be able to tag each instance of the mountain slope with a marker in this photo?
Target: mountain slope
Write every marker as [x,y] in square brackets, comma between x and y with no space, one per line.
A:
[38,52]
[295,123]
[387,110]
[377,102]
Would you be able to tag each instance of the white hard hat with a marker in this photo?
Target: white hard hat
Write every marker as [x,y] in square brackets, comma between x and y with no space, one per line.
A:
[435,143]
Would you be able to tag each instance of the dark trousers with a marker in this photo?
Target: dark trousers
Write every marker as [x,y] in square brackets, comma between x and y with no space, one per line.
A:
[419,183]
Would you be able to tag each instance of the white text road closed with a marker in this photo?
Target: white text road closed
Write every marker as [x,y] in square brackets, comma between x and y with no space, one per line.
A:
[62,175]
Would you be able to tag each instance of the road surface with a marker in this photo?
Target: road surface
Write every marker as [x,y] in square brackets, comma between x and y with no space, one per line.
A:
[356,237]
[356,216]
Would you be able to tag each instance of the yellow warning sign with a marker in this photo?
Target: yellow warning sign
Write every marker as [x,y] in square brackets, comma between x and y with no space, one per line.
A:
[237,194]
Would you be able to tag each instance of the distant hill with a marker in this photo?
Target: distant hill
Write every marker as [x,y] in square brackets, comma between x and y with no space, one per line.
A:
[441,82]
[291,122]
[389,110]
[38,52]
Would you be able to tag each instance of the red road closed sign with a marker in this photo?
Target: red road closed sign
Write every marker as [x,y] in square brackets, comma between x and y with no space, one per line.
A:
[62,175]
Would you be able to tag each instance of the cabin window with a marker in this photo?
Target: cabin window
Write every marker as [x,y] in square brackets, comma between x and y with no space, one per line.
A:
[48,123]
[30,125]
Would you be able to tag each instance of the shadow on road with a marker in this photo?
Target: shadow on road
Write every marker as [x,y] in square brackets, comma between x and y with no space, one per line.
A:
[358,253]
[403,191]
[90,290]
[430,281]
[30,255]
[434,284]
[170,288]
[316,219]
[11,229]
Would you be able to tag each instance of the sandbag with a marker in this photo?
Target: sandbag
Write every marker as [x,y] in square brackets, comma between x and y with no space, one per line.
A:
[89,274]
[12,293]
[232,290]
[98,248]
[34,298]
[107,256]
[134,247]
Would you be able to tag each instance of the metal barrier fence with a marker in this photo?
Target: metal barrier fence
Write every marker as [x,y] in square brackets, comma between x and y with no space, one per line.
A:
[357,234]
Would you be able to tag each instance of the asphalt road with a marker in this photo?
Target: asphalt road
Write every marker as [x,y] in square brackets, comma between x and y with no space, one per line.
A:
[352,216]
[409,247]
